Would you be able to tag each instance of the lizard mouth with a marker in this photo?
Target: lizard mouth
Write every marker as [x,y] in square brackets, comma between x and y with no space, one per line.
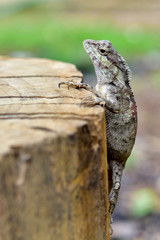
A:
[90,46]
[88,43]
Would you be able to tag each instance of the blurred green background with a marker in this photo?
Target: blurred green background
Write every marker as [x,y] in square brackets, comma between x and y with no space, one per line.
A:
[55,29]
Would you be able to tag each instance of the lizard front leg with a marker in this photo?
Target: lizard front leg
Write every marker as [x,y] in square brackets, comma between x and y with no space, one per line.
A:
[73,84]
[117,170]
[96,99]
[88,101]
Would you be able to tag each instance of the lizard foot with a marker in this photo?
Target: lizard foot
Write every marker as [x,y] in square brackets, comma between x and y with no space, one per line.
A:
[110,222]
[70,83]
[92,101]
[117,169]
[112,203]
[73,84]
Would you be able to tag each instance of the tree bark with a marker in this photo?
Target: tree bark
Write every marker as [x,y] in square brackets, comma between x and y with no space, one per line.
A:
[53,164]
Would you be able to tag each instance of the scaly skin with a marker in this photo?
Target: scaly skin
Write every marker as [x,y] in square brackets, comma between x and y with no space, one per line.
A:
[114,93]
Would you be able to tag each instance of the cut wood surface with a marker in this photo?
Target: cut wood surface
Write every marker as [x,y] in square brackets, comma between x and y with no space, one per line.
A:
[53,167]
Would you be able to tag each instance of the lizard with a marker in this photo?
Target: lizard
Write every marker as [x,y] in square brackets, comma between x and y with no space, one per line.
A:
[114,93]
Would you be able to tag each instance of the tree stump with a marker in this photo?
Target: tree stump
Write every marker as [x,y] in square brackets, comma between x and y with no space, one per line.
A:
[53,164]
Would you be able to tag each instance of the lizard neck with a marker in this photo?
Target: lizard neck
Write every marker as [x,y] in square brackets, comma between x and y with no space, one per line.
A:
[112,76]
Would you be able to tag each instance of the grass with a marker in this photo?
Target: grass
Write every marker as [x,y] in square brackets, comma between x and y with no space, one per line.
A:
[61,38]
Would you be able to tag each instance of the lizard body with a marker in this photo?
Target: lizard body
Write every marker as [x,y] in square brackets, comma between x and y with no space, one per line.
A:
[114,93]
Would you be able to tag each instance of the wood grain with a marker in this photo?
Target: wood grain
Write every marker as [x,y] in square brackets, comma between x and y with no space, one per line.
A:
[53,168]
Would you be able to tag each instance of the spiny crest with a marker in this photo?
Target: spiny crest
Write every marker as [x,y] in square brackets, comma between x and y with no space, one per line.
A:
[126,67]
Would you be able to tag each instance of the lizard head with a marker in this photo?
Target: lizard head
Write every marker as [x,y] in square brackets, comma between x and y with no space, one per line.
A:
[99,51]
[106,58]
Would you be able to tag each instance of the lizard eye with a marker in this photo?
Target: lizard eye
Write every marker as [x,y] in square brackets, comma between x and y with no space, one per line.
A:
[102,51]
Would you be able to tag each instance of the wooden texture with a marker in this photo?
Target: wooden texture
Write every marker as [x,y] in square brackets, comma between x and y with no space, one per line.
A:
[53,168]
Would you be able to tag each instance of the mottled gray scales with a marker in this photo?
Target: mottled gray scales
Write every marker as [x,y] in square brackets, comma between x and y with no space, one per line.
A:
[113,92]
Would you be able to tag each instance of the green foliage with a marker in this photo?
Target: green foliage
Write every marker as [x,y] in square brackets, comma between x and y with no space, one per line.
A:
[61,39]
[144,201]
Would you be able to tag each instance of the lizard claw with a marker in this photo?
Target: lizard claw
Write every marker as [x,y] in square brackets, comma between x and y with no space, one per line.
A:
[69,83]
[59,84]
